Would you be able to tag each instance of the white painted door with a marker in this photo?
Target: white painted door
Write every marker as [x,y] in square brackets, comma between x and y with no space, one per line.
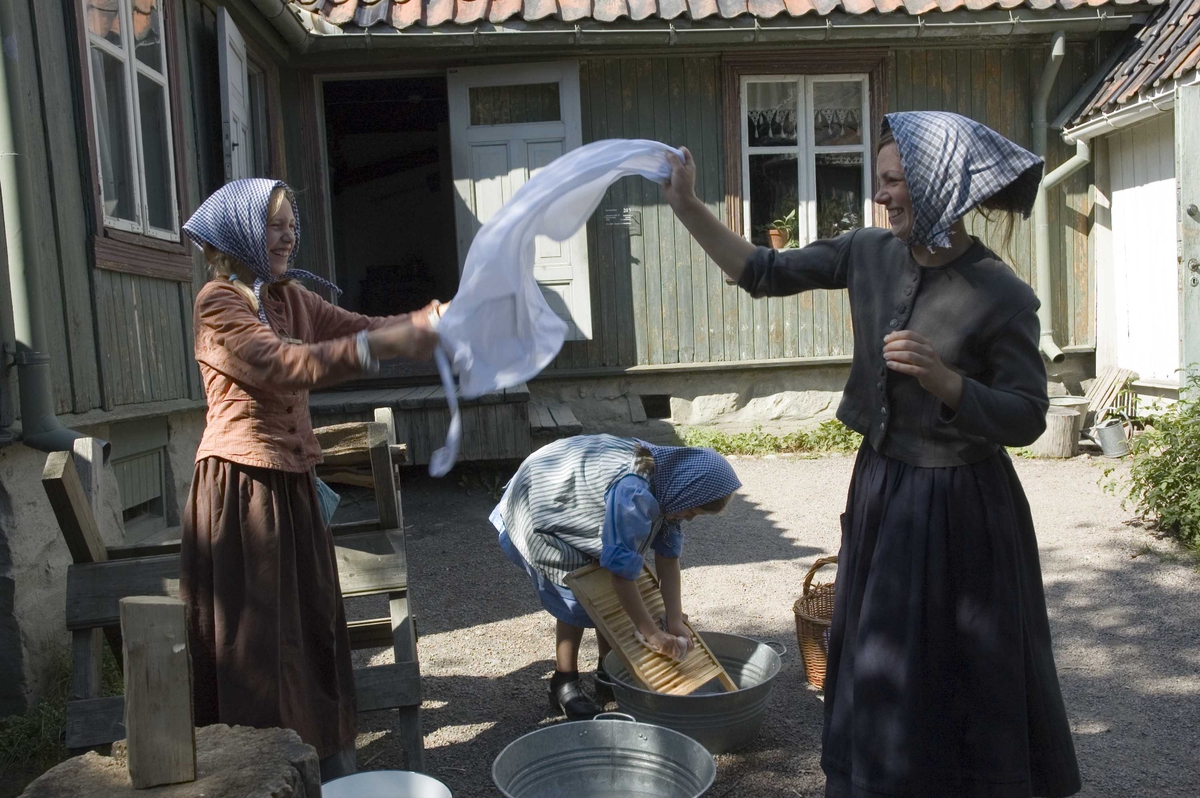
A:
[1145,260]
[506,123]
[1187,137]
[235,98]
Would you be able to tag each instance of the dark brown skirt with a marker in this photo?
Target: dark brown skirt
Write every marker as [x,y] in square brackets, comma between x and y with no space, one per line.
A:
[265,616]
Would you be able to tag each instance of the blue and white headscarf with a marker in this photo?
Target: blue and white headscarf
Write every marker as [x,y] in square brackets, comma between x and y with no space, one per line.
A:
[952,164]
[686,477]
[234,221]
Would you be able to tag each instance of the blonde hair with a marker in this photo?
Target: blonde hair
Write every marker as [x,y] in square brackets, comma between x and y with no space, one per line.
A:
[238,274]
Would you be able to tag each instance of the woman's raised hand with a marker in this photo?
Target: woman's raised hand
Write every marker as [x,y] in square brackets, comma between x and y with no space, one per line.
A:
[415,341]
[680,188]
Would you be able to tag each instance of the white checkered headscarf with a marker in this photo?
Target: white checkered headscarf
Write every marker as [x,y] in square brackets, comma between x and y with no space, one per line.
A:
[952,164]
[234,221]
[685,477]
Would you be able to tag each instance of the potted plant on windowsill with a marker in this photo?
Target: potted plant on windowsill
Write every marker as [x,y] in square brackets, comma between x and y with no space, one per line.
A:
[782,232]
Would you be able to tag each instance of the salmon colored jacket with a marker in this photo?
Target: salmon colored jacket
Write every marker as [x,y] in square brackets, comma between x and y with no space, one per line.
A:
[257,378]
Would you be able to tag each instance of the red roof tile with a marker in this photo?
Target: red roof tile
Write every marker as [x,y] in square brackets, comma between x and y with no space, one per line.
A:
[1165,49]
[431,13]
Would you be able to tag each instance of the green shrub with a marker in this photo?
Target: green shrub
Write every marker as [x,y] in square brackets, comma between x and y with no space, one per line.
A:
[1163,480]
[830,437]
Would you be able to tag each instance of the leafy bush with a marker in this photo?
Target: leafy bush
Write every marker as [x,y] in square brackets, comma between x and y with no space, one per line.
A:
[830,437]
[1163,481]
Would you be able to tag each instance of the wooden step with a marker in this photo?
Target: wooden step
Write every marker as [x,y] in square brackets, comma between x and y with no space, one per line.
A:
[495,425]
[550,420]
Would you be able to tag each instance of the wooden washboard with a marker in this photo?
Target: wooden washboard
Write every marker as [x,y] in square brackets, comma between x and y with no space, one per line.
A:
[593,588]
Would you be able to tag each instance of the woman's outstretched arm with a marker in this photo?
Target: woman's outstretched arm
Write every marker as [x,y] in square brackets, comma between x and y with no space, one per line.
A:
[727,249]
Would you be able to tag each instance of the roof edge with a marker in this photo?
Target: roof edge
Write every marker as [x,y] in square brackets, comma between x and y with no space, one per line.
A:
[1148,104]
[743,30]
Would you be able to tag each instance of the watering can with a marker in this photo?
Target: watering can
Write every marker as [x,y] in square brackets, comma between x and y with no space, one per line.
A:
[1112,436]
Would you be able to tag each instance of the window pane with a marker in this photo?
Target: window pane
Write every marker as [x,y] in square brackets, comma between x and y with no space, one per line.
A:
[773,196]
[112,130]
[839,193]
[104,19]
[156,154]
[771,114]
[514,105]
[837,113]
[147,33]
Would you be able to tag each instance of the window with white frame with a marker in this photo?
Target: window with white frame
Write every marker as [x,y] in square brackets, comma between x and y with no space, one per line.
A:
[127,61]
[806,157]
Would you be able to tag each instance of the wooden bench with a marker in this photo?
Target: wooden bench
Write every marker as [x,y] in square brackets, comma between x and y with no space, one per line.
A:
[371,561]
[550,420]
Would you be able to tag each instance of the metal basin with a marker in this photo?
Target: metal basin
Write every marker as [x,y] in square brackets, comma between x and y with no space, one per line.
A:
[604,758]
[719,721]
[385,784]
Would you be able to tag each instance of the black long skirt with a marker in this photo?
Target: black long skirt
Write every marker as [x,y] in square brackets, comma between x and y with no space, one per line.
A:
[941,678]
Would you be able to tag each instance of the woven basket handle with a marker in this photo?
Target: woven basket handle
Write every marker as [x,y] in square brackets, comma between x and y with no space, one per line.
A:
[816,567]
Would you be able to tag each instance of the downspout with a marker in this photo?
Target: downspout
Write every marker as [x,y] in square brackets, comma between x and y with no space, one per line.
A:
[40,427]
[1041,220]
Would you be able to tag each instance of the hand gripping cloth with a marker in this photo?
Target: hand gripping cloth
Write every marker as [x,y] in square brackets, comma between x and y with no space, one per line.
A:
[499,331]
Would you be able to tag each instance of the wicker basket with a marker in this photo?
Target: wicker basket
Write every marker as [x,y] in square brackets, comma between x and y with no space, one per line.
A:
[814,613]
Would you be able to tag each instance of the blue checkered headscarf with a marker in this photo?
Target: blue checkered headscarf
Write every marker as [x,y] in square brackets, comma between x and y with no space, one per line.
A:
[686,477]
[952,164]
[234,221]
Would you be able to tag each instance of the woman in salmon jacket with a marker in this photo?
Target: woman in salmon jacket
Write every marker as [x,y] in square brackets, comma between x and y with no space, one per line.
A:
[265,616]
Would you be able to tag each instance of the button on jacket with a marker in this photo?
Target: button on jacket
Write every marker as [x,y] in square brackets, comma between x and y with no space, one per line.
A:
[978,315]
[257,378]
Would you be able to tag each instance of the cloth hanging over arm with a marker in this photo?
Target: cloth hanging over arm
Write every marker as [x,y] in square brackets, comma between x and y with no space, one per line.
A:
[499,331]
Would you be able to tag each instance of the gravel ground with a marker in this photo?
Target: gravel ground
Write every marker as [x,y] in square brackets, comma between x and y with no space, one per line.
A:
[1124,606]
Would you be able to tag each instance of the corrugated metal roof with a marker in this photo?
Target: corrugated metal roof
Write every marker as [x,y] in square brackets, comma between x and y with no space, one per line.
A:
[1166,49]
[432,13]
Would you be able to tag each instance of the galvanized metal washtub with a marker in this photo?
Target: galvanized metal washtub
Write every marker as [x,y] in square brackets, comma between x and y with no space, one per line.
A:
[612,756]
[720,721]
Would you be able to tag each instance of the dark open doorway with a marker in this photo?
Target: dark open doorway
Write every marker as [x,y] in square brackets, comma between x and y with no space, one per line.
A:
[392,192]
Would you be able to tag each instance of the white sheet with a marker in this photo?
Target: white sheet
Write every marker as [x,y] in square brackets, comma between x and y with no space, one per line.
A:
[499,330]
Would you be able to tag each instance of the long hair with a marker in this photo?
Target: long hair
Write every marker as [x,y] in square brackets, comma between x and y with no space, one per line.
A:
[226,267]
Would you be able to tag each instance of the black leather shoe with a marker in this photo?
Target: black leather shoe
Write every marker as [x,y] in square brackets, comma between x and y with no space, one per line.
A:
[570,699]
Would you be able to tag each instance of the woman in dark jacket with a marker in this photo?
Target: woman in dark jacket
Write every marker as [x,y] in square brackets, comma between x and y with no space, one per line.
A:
[941,677]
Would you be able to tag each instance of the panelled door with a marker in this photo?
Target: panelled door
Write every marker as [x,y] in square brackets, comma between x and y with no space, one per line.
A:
[1187,144]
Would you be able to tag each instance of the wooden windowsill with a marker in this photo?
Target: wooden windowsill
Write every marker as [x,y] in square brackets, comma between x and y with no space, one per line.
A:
[145,257]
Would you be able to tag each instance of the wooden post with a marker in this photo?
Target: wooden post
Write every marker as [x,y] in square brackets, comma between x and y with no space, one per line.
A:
[1060,440]
[72,507]
[89,463]
[159,724]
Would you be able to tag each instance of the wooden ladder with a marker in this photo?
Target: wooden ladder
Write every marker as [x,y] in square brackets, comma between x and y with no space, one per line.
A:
[371,561]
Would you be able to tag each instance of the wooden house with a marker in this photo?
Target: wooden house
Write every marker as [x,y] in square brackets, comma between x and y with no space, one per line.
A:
[403,124]
[1142,124]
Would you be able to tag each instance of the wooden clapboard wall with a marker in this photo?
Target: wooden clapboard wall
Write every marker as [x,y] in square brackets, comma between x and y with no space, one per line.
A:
[657,299]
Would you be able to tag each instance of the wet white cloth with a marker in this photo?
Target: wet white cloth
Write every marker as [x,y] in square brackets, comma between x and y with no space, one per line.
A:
[499,330]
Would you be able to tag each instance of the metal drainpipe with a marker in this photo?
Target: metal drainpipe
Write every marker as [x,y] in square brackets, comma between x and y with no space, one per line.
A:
[1041,220]
[40,427]
[290,28]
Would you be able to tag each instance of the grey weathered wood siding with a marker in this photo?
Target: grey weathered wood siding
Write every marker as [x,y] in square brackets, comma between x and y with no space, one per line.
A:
[657,299]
